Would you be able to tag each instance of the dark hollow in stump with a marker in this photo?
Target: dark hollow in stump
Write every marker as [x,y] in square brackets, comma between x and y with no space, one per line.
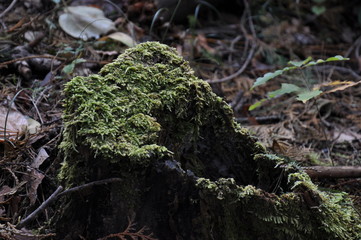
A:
[189,170]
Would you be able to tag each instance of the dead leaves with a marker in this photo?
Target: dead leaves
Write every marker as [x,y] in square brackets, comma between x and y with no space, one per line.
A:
[9,232]
[337,85]
[34,177]
[14,125]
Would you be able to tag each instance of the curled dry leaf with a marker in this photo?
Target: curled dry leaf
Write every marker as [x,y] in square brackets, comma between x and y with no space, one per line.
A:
[8,191]
[123,38]
[16,124]
[339,85]
[85,22]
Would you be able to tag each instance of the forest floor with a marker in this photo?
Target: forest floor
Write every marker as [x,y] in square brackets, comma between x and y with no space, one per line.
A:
[228,46]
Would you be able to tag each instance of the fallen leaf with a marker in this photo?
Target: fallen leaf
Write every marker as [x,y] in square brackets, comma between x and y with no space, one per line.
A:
[6,190]
[340,88]
[346,136]
[15,126]
[123,38]
[85,22]
[34,178]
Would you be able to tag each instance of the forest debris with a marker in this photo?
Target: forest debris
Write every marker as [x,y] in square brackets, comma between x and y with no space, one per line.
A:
[150,111]
[333,172]
[41,208]
[123,38]
[9,232]
[12,123]
[85,22]
[130,232]
[34,176]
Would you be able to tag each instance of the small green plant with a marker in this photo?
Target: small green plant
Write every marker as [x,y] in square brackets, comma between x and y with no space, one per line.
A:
[303,93]
[74,54]
[69,69]
[319,8]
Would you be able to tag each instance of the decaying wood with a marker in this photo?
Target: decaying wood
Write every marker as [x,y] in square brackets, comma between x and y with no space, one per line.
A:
[188,170]
[333,172]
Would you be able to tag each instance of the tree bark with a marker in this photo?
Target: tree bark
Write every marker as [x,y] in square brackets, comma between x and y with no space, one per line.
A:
[333,172]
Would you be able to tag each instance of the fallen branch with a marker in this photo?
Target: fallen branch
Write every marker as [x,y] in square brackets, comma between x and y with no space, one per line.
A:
[89,185]
[58,193]
[333,172]
[40,209]
[12,4]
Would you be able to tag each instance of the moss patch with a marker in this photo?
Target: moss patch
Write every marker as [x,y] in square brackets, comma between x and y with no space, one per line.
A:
[147,107]
[306,213]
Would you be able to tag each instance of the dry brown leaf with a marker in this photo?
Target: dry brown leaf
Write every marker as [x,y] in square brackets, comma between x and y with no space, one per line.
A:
[202,43]
[6,190]
[344,85]
[35,177]
[16,123]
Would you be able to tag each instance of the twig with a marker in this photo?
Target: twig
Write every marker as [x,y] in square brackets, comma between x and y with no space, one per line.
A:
[262,119]
[355,44]
[58,194]
[31,57]
[40,209]
[8,9]
[37,111]
[89,185]
[171,19]
[245,64]
[340,69]
[250,54]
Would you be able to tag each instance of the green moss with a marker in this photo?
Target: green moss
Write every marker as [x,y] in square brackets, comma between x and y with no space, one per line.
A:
[304,213]
[114,113]
[147,106]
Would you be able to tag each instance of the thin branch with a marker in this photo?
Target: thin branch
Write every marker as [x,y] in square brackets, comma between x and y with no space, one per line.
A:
[340,69]
[333,172]
[251,52]
[8,9]
[31,57]
[58,194]
[40,209]
[89,185]
[245,64]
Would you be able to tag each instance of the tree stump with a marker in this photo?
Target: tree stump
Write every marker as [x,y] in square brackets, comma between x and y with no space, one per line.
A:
[188,170]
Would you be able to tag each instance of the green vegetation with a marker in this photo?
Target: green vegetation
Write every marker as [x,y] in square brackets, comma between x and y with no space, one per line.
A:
[329,215]
[304,93]
[148,107]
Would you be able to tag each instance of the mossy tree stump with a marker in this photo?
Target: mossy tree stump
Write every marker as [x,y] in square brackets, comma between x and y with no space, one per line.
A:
[188,170]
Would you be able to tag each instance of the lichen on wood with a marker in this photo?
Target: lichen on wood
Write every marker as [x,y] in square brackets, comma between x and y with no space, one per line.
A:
[190,171]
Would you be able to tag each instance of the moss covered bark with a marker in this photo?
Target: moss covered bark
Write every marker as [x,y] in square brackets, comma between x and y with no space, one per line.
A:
[189,170]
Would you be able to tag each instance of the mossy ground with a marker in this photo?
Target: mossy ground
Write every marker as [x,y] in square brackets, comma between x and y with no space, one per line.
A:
[148,106]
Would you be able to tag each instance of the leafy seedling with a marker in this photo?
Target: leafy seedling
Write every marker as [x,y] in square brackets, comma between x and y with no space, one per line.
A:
[303,93]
